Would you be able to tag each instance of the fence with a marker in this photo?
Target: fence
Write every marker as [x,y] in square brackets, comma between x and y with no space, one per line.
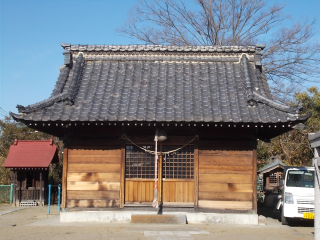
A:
[6,193]
[49,196]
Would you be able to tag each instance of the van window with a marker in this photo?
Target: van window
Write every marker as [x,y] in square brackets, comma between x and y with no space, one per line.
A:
[301,178]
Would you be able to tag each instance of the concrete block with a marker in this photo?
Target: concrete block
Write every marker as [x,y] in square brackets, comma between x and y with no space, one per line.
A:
[262,220]
[96,216]
[165,219]
[222,218]
[152,217]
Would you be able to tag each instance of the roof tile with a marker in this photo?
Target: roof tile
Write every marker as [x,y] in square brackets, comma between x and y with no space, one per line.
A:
[159,83]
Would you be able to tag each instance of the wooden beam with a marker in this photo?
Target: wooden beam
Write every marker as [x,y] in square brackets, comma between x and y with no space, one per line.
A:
[41,184]
[122,175]
[64,178]
[254,180]
[196,174]
[14,195]
[227,205]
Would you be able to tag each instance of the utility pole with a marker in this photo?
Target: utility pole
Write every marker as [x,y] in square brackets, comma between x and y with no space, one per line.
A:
[315,143]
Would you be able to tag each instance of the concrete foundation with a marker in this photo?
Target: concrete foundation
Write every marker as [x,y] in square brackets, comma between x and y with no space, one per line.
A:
[125,217]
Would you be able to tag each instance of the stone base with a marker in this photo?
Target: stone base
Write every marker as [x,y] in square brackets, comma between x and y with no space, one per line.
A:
[166,219]
[191,217]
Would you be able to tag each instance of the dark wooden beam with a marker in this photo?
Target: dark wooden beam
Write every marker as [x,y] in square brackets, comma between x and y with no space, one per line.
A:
[122,175]
[64,178]
[254,180]
[196,174]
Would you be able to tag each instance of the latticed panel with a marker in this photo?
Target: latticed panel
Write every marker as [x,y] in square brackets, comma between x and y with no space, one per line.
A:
[176,165]
[139,164]
[179,164]
[273,178]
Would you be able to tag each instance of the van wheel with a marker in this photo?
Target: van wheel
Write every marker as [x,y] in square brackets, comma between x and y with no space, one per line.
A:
[284,220]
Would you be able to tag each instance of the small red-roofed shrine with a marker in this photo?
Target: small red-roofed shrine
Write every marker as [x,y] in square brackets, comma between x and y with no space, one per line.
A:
[29,161]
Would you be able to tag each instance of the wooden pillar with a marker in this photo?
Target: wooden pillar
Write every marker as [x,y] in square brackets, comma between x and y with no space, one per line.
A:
[14,192]
[122,175]
[41,189]
[64,178]
[254,180]
[196,173]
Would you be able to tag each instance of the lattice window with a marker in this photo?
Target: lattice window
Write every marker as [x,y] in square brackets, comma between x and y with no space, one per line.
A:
[178,165]
[139,164]
[273,178]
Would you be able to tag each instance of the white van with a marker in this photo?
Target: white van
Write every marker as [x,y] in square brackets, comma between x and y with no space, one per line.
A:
[297,200]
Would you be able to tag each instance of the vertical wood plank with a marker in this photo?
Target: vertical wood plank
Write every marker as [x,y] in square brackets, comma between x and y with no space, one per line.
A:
[143,191]
[196,174]
[147,191]
[134,191]
[122,175]
[165,197]
[130,192]
[178,195]
[151,192]
[254,179]
[172,192]
[64,178]
[186,192]
[126,191]
[139,192]
[191,192]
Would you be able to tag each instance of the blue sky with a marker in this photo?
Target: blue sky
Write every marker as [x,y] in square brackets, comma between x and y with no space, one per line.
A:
[32,31]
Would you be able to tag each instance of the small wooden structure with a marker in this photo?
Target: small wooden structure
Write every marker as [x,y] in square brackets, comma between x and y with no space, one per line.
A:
[29,162]
[272,174]
[213,102]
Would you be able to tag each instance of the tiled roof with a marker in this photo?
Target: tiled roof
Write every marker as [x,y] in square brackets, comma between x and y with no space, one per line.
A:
[31,154]
[271,166]
[161,83]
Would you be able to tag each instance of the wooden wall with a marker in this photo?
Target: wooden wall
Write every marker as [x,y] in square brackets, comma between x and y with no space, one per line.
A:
[139,190]
[93,177]
[178,191]
[226,180]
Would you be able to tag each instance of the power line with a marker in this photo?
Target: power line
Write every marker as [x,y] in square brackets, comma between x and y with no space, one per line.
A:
[1,109]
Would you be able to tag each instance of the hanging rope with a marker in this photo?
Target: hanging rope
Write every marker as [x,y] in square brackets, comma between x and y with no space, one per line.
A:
[155,201]
[154,152]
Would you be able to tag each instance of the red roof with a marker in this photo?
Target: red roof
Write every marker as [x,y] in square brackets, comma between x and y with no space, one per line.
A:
[31,154]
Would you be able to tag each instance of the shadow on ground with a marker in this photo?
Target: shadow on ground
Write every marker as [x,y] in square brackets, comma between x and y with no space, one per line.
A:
[269,212]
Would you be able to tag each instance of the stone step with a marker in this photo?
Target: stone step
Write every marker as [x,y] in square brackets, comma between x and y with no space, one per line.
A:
[165,219]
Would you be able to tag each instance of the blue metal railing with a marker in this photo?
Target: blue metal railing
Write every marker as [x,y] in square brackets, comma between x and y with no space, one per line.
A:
[49,197]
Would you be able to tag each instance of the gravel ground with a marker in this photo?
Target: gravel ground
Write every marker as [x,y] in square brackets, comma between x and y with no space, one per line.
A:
[36,223]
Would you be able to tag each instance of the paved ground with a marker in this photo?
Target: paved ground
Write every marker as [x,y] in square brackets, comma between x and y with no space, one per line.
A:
[35,223]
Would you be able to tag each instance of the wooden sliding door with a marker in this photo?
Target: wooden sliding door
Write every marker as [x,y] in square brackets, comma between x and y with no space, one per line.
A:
[178,177]
[175,176]
[139,176]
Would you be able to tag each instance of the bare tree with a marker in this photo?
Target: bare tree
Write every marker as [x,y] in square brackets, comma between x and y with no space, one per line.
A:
[291,54]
